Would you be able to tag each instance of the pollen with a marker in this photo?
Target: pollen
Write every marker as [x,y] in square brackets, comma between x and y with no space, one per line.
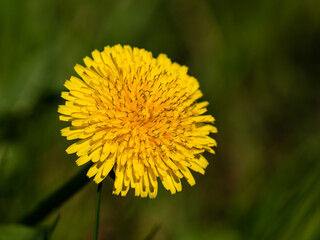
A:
[138,116]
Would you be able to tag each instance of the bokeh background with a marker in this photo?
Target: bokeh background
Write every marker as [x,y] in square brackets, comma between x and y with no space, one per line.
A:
[258,64]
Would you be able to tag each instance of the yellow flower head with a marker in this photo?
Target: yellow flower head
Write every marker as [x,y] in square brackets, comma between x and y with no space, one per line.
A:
[139,116]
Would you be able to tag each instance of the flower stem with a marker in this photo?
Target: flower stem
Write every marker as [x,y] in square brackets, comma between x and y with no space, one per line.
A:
[96,232]
[53,201]
[58,197]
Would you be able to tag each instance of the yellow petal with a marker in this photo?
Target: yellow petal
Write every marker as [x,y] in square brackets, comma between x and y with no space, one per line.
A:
[96,154]
[108,165]
[188,176]
[118,183]
[93,170]
[203,162]
[82,160]
[176,181]
[78,145]
[98,177]
[197,168]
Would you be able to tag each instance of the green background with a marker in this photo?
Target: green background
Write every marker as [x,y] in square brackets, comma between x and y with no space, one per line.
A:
[258,64]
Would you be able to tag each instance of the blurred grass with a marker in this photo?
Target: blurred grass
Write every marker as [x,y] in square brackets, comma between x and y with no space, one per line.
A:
[258,65]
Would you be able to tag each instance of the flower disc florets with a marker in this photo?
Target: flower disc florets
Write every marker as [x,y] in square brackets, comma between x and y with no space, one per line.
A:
[139,116]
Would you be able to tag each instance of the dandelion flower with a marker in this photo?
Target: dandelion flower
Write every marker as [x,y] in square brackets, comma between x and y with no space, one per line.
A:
[139,116]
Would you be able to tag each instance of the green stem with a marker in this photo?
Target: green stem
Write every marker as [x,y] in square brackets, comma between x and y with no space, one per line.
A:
[96,232]
[53,201]
[58,197]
